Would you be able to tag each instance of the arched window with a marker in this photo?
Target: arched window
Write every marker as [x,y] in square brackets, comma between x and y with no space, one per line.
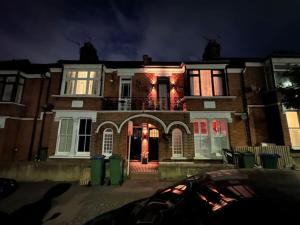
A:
[177,143]
[107,143]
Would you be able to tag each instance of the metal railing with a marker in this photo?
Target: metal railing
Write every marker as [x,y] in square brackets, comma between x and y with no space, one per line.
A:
[142,103]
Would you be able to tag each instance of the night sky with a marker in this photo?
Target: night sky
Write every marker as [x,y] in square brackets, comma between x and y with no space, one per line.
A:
[45,31]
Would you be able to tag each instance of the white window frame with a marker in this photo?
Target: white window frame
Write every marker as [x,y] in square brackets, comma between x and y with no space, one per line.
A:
[99,87]
[77,138]
[107,131]
[177,133]
[57,152]
[126,105]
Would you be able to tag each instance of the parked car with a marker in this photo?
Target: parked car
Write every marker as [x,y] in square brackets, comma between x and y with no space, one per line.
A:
[7,186]
[235,197]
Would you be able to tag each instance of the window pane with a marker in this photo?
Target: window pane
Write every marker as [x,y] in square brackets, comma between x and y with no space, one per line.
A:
[218,86]
[87,144]
[81,143]
[125,90]
[194,72]
[82,74]
[206,87]
[295,137]
[19,93]
[62,143]
[70,127]
[70,86]
[196,127]
[214,127]
[292,119]
[21,80]
[194,84]
[222,127]
[10,79]
[82,126]
[217,72]
[204,130]
[90,91]
[81,87]
[88,126]
[177,142]
[92,74]
[94,87]
[7,92]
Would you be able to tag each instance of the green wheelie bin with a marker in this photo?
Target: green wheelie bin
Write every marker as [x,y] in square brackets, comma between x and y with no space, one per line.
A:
[97,169]
[246,160]
[269,160]
[116,169]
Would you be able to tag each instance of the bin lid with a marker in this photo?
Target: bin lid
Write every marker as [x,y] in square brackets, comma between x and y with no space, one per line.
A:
[247,153]
[270,155]
[95,157]
[115,156]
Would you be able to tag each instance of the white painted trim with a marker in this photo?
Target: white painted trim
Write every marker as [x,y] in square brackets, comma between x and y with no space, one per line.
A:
[235,70]
[112,146]
[9,72]
[176,163]
[55,70]
[2,122]
[107,122]
[143,115]
[187,130]
[285,60]
[295,148]
[254,64]
[59,114]
[206,66]
[209,97]
[165,71]
[210,115]
[22,118]
[69,157]
[83,66]
[76,96]
[13,103]
[31,76]
[178,158]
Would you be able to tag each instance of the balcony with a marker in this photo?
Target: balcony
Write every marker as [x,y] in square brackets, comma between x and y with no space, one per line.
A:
[141,103]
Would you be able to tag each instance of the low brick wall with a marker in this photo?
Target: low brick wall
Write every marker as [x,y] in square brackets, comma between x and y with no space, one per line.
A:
[180,170]
[41,171]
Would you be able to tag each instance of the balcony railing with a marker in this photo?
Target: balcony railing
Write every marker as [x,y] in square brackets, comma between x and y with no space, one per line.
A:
[141,103]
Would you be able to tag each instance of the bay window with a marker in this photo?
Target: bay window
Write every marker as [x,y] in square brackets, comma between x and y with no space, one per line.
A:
[293,121]
[11,88]
[207,82]
[82,83]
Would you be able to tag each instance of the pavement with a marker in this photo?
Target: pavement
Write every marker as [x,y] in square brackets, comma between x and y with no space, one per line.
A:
[79,204]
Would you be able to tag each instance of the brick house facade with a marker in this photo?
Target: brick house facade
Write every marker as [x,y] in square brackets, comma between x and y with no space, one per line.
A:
[179,111]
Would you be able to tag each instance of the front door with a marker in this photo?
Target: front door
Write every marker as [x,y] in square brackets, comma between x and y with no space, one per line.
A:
[153,144]
[136,144]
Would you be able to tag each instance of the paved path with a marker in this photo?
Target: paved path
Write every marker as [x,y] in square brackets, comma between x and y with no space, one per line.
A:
[81,203]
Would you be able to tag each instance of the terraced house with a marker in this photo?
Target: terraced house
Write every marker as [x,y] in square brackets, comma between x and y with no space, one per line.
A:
[164,113]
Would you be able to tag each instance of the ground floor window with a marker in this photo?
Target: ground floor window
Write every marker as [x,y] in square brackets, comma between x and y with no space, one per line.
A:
[210,137]
[74,137]
[177,143]
[107,143]
[293,122]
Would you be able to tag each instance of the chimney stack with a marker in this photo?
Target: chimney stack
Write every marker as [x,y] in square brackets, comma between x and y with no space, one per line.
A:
[147,60]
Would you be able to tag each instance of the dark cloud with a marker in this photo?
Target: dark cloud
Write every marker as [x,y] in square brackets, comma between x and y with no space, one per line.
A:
[45,31]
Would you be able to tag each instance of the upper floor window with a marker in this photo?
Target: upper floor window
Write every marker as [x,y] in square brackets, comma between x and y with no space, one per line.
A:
[206,82]
[11,88]
[82,83]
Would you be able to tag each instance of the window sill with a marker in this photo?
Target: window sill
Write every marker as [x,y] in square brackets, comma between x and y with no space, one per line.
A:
[76,96]
[296,148]
[69,157]
[13,103]
[178,158]
[209,97]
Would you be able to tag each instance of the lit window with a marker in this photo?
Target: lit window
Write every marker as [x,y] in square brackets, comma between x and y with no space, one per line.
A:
[84,135]
[65,135]
[82,83]
[294,128]
[107,144]
[177,143]
[154,133]
[206,82]
[11,88]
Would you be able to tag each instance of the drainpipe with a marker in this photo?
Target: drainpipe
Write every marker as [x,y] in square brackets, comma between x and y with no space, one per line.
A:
[46,108]
[245,107]
[43,76]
